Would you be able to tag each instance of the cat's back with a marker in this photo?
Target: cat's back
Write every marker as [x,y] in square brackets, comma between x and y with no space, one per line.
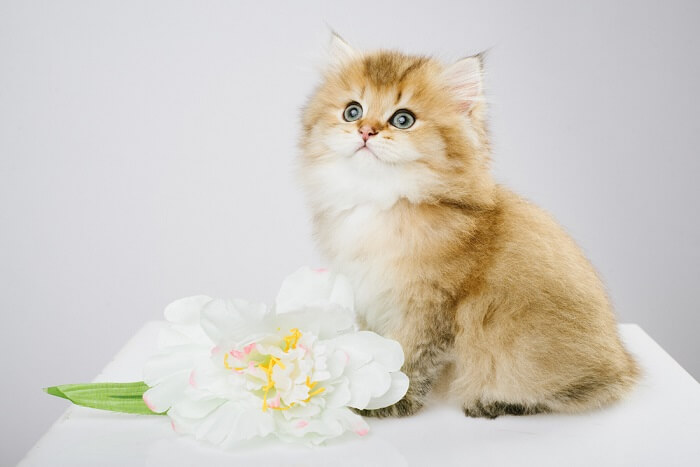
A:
[530,238]
[536,261]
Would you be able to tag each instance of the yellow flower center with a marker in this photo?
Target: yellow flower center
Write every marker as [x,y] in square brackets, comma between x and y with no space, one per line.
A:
[292,339]
[290,342]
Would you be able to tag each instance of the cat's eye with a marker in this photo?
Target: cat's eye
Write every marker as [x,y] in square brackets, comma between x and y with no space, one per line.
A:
[402,119]
[352,112]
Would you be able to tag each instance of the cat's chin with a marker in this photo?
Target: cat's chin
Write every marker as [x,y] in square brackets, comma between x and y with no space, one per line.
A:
[336,183]
[365,151]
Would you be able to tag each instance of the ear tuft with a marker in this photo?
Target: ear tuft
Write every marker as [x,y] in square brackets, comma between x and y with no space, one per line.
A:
[464,78]
[339,51]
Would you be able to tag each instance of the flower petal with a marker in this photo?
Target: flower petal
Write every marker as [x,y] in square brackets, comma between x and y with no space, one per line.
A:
[325,323]
[308,288]
[351,421]
[362,344]
[192,409]
[161,397]
[177,359]
[369,381]
[340,395]
[233,321]
[231,423]
[398,388]
[342,293]
[179,334]
[186,310]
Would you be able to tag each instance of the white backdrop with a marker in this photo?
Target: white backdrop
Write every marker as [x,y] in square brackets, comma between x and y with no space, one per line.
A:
[147,152]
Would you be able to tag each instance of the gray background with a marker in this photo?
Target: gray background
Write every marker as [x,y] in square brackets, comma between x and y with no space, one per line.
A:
[147,148]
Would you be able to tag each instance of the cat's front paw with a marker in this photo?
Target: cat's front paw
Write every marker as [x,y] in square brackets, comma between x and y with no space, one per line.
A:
[402,408]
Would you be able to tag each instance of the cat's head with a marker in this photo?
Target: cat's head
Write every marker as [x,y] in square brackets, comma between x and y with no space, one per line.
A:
[384,126]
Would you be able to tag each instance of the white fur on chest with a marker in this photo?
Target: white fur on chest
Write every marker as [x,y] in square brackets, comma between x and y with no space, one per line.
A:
[359,245]
[356,196]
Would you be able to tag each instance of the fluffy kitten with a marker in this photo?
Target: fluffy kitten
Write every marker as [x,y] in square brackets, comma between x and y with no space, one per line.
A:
[480,287]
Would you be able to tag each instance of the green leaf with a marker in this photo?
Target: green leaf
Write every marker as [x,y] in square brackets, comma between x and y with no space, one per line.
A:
[117,397]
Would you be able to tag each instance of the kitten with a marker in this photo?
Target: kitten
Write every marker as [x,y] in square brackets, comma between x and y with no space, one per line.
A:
[480,287]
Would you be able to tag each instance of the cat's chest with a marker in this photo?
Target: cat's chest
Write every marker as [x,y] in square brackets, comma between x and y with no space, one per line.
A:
[364,245]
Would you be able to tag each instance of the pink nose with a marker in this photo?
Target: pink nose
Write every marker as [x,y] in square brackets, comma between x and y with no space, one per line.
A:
[366,131]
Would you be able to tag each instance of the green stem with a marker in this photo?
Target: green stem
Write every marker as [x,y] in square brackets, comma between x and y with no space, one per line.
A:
[116,397]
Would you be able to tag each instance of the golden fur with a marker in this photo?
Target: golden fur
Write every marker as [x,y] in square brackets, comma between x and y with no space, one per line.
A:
[481,288]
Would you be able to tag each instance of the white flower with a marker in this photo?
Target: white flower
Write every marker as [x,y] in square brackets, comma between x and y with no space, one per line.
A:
[229,370]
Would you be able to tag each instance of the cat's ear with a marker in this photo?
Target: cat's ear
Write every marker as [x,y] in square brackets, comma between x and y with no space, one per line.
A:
[465,79]
[339,51]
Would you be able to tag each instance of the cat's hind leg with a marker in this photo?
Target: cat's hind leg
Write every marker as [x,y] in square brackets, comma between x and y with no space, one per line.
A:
[479,409]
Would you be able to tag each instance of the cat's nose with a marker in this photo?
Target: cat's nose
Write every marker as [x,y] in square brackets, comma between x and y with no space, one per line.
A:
[366,131]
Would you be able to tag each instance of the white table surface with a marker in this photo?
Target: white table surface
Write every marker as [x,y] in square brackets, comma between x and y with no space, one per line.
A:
[659,424]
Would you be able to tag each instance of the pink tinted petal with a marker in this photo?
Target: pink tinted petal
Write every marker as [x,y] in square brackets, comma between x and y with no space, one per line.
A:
[249,348]
[302,423]
[362,431]
[274,403]
[148,403]
[193,382]
[321,270]
[237,354]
